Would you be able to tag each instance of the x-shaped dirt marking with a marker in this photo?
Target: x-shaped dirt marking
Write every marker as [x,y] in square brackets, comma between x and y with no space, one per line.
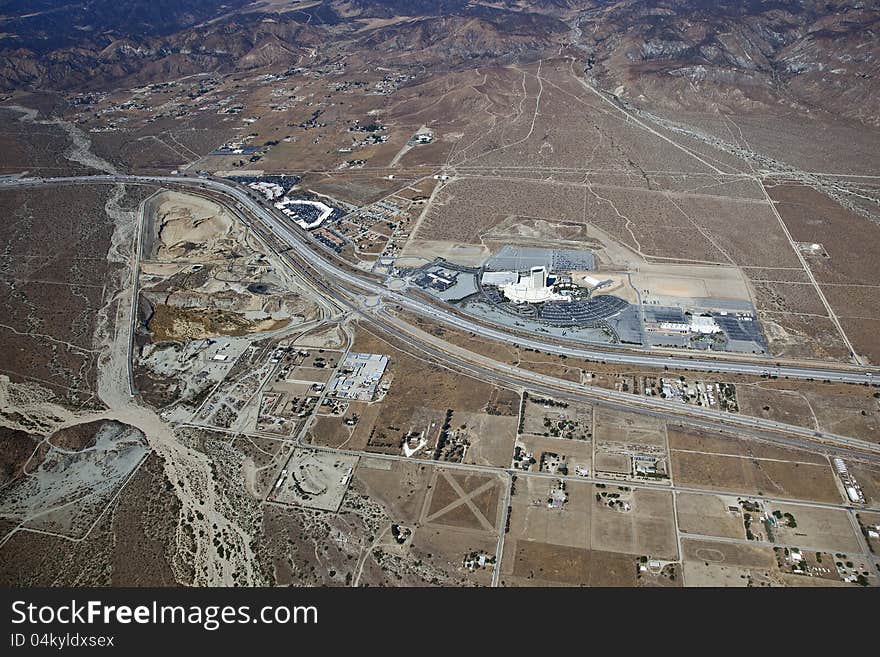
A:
[465,498]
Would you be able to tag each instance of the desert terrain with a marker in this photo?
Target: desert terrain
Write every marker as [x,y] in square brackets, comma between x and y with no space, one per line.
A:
[260,269]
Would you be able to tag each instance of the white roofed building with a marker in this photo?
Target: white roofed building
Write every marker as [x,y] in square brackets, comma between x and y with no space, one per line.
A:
[706,325]
[532,288]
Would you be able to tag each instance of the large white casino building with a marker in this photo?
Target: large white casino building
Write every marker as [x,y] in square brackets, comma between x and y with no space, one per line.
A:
[531,288]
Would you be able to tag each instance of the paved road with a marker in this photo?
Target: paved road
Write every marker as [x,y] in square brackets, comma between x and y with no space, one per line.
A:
[492,370]
[495,470]
[291,236]
[294,239]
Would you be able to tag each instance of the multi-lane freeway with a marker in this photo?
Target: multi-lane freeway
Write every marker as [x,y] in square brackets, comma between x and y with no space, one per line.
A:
[298,251]
[294,238]
[505,374]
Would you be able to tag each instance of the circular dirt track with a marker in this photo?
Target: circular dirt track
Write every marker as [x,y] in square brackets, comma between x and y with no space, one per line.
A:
[707,554]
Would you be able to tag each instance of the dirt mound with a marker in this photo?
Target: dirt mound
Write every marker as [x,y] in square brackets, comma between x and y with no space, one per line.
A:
[79,436]
[191,227]
[171,323]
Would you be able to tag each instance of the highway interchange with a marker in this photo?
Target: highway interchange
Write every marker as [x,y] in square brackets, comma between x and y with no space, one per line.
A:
[300,255]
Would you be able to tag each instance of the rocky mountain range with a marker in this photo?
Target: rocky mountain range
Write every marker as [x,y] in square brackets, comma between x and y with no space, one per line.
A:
[822,54]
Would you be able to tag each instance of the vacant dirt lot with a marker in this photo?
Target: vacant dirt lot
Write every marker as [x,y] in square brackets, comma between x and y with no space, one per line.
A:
[463,500]
[614,426]
[710,563]
[755,476]
[400,487]
[816,529]
[330,431]
[708,515]
[847,411]
[717,282]
[543,564]
[751,556]
[613,462]
[771,472]
[647,528]
[783,406]
[491,437]
[802,336]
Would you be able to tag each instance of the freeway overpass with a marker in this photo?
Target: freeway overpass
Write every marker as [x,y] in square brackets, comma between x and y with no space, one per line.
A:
[297,243]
